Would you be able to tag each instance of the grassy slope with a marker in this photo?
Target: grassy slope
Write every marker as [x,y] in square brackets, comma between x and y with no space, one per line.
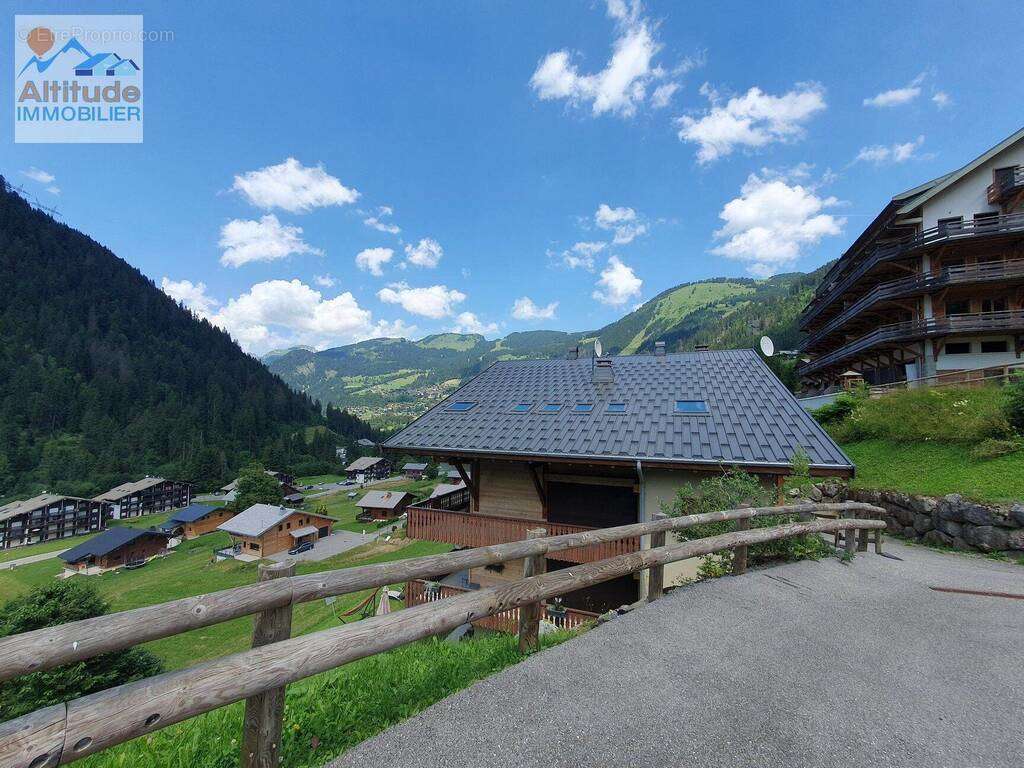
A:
[935,469]
[333,711]
[345,510]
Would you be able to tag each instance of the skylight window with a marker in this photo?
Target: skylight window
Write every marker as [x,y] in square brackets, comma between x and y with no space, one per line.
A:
[522,407]
[461,406]
[616,407]
[691,406]
[583,408]
[551,407]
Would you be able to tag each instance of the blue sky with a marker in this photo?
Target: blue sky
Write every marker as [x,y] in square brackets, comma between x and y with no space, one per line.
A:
[674,142]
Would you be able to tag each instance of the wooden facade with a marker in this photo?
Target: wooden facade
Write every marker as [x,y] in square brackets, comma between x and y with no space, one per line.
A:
[279,538]
[147,497]
[368,468]
[934,286]
[49,517]
[144,547]
[206,524]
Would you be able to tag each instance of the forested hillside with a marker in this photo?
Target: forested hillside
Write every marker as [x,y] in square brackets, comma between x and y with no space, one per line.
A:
[104,378]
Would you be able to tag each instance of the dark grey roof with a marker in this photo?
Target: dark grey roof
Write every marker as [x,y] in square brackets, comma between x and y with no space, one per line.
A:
[413,466]
[191,513]
[753,419]
[106,542]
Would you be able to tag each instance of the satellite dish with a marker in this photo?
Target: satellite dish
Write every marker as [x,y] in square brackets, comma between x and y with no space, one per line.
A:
[598,350]
[767,346]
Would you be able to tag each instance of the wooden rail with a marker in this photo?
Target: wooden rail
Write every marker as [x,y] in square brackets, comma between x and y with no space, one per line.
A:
[470,529]
[66,732]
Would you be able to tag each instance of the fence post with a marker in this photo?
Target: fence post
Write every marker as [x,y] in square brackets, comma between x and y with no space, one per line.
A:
[849,537]
[878,540]
[739,555]
[264,712]
[529,615]
[656,576]
[862,540]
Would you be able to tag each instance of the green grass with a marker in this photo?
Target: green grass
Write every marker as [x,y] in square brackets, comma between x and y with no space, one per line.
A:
[318,479]
[330,713]
[345,510]
[936,469]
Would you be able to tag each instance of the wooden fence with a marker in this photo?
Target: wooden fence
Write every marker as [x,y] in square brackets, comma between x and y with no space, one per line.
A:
[65,732]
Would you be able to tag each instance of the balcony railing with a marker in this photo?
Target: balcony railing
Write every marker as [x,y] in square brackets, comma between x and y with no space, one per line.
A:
[419,592]
[1006,182]
[972,228]
[915,330]
[467,529]
[920,284]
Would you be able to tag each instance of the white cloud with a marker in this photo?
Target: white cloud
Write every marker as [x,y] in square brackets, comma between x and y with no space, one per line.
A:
[192,295]
[435,301]
[618,284]
[663,95]
[897,96]
[622,86]
[754,119]
[53,190]
[293,187]
[879,154]
[525,309]
[426,253]
[37,174]
[941,99]
[377,220]
[324,281]
[467,322]
[582,254]
[371,259]
[284,313]
[772,220]
[625,222]
[245,240]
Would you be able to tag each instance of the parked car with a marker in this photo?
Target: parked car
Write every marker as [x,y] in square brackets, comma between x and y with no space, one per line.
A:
[303,547]
[133,564]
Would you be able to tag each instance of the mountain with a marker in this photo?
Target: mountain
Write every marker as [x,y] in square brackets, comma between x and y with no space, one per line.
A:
[44,64]
[104,378]
[388,382]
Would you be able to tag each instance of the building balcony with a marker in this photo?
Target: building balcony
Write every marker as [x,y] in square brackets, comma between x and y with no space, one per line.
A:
[988,227]
[470,529]
[917,285]
[917,330]
[1006,184]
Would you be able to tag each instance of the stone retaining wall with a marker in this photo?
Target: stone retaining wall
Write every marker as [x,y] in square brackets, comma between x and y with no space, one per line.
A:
[952,520]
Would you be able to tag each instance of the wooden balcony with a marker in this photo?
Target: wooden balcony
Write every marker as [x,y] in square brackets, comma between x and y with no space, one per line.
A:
[916,330]
[969,230]
[419,592]
[1006,184]
[466,529]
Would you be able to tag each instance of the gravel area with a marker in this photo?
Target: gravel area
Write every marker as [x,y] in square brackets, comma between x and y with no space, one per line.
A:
[808,664]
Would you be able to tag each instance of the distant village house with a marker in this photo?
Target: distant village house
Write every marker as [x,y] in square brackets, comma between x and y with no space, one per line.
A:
[414,471]
[383,505]
[114,548]
[368,468]
[49,516]
[264,529]
[195,520]
[146,497]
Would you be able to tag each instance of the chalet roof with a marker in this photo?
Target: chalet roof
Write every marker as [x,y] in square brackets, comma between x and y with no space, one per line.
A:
[127,489]
[16,508]
[382,499]
[752,420]
[298,533]
[191,513]
[257,520]
[932,188]
[362,463]
[104,543]
[443,488]
[413,466]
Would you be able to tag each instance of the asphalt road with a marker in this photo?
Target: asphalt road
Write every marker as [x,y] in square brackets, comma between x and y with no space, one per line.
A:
[807,664]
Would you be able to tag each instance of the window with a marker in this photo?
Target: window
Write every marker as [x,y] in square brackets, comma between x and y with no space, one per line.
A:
[962,307]
[951,224]
[994,346]
[993,305]
[551,407]
[958,348]
[691,406]
[461,405]
[583,408]
[280,528]
[522,407]
[616,407]
[253,545]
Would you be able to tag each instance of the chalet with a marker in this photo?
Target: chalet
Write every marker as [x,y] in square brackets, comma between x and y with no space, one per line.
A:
[383,505]
[114,548]
[934,287]
[368,468]
[195,520]
[49,516]
[264,529]
[146,497]
[414,471]
[574,444]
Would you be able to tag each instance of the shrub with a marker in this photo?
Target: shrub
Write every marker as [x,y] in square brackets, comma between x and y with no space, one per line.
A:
[1013,402]
[839,409]
[993,449]
[730,490]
